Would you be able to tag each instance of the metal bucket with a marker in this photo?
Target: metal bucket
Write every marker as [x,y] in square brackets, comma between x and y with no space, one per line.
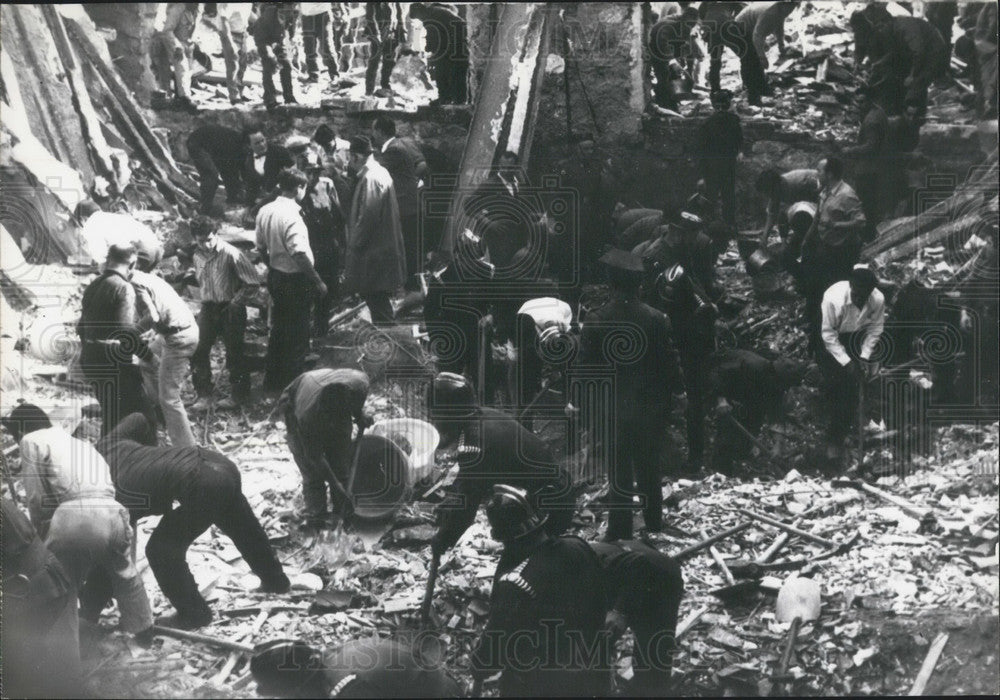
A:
[762,262]
[381,477]
[746,244]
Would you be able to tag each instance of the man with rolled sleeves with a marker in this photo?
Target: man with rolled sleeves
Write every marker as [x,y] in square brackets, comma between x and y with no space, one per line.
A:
[227,282]
[644,588]
[492,448]
[853,320]
[321,408]
[292,280]
[645,376]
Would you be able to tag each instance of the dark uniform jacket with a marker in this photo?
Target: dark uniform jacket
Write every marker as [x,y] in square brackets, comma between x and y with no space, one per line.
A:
[499,450]
[636,341]
[405,164]
[560,580]
[223,144]
[719,140]
[325,220]
[634,573]
[108,313]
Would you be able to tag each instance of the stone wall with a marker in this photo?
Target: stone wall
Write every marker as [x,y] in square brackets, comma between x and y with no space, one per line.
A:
[133,23]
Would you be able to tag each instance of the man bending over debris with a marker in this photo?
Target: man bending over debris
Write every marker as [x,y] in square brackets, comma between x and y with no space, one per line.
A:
[207,487]
[362,668]
[748,389]
[547,608]
[320,408]
[71,500]
[492,448]
[644,589]
[853,320]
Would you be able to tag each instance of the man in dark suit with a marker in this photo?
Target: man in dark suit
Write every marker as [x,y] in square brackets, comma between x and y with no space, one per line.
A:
[263,163]
[407,166]
[218,152]
[446,48]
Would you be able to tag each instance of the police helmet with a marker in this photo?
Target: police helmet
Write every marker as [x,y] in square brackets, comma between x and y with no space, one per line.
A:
[288,668]
[511,514]
[451,395]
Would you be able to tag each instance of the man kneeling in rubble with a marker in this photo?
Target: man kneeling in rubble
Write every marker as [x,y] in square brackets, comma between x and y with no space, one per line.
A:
[207,486]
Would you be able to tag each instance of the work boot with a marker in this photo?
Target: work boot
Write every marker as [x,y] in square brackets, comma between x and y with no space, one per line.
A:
[186,621]
[282,585]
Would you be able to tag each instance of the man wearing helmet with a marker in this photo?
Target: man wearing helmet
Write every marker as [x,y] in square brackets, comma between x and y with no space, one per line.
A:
[492,448]
[547,608]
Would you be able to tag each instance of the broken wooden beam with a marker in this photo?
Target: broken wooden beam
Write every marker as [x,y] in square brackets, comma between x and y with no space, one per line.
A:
[789,528]
[708,542]
[930,661]
[202,639]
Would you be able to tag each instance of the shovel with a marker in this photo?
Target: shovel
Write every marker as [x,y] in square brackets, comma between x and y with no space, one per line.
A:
[798,601]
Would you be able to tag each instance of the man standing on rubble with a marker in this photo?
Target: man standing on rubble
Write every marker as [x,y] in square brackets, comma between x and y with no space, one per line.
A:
[670,54]
[321,408]
[227,282]
[110,340]
[175,50]
[207,488]
[547,608]
[375,264]
[292,280]
[853,320]
[831,245]
[385,29]
[872,159]
[644,589]
[749,30]
[173,336]
[491,448]
[644,379]
[718,148]
[273,44]
[747,390]
[326,223]
[447,49]
[407,167]
[683,287]
[714,18]
[316,40]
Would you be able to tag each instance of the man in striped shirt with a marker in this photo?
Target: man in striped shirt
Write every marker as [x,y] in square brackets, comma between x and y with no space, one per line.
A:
[228,282]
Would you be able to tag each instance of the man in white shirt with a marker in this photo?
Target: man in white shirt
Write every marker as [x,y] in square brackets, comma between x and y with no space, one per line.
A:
[853,319]
[292,280]
[71,501]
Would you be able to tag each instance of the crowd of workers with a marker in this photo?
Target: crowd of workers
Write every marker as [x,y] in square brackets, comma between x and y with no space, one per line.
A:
[336,217]
[332,32]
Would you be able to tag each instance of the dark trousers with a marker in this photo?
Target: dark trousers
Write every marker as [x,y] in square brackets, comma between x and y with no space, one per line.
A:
[840,388]
[730,442]
[220,318]
[209,174]
[410,224]
[379,306]
[752,71]
[451,77]
[216,500]
[383,50]
[316,478]
[694,363]
[328,268]
[652,616]
[663,91]
[117,387]
[41,645]
[871,191]
[720,183]
[637,445]
[275,57]
[288,342]
[716,47]
[315,35]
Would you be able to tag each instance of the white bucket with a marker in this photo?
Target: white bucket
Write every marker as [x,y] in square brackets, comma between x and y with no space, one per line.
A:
[423,439]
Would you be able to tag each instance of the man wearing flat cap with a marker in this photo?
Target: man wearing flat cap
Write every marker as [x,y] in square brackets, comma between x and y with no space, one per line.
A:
[853,319]
[375,265]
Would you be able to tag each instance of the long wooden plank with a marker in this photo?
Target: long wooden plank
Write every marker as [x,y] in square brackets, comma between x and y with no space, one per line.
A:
[90,125]
[506,101]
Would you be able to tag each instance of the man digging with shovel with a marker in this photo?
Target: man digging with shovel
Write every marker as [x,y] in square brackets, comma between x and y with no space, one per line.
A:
[320,407]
